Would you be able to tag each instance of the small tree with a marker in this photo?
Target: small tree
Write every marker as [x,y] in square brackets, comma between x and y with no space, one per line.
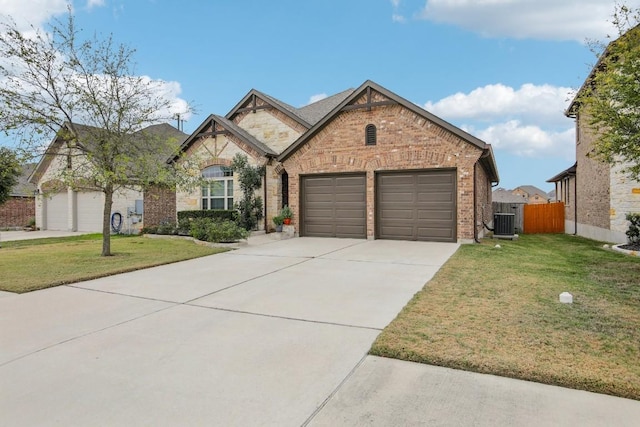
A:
[9,172]
[250,180]
[633,232]
[51,82]
[611,100]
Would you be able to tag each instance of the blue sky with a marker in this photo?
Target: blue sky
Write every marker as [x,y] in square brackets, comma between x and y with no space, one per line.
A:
[502,70]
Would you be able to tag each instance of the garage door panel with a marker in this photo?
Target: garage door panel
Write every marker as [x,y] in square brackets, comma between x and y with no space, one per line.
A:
[57,211]
[417,205]
[334,206]
[435,233]
[345,214]
[396,214]
[444,215]
[393,196]
[90,206]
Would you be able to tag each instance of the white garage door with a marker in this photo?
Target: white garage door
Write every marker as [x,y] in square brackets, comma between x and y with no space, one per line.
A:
[89,209]
[56,212]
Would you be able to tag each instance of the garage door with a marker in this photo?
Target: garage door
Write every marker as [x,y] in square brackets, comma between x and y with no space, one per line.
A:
[334,206]
[89,208]
[56,212]
[417,205]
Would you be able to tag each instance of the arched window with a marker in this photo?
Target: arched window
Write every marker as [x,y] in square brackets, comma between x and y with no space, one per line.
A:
[218,194]
[370,135]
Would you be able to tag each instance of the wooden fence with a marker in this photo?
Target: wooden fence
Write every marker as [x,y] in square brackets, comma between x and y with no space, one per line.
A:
[544,218]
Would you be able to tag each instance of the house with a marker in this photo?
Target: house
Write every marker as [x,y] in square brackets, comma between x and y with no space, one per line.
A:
[364,163]
[20,209]
[597,195]
[79,206]
[533,195]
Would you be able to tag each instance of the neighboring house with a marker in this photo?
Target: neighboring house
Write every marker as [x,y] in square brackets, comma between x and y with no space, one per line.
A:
[597,195]
[502,195]
[533,195]
[79,207]
[20,209]
[364,163]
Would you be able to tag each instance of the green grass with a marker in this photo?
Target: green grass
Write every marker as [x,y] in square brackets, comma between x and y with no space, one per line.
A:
[496,311]
[30,265]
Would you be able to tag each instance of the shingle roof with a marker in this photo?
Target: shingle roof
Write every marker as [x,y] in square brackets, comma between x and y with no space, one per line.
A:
[532,190]
[501,195]
[313,113]
[23,187]
[571,171]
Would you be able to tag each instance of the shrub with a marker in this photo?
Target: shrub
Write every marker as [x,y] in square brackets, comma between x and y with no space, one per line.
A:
[633,233]
[167,228]
[217,231]
[250,180]
[186,217]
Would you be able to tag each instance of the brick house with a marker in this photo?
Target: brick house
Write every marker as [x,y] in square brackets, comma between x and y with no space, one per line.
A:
[21,207]
[364,163]
[597,195]
[79,206]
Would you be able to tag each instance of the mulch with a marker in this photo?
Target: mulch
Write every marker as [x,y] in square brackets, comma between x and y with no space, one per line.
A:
[631,246]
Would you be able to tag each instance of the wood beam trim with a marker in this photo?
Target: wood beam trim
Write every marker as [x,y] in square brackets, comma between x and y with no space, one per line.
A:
[368,105]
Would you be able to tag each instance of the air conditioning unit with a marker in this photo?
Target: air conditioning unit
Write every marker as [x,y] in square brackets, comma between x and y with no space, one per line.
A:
[504,225]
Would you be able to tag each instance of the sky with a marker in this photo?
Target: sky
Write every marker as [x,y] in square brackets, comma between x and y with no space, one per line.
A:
[502,70]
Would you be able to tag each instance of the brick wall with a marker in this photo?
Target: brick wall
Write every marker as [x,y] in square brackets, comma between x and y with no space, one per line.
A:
[404,141]
[159,205]
[17,211]
[484,207]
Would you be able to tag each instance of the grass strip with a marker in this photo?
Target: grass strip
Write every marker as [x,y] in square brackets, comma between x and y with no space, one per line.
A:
[30,265]
[497,311]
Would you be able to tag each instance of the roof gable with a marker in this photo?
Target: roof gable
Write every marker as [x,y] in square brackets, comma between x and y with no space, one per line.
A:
[370,95]
[250,103]
[218,125]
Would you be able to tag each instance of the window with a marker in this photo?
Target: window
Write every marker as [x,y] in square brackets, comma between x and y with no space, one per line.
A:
[218,194]
[370,135]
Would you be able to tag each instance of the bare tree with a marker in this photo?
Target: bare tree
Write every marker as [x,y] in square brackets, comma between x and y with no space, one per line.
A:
[86,92]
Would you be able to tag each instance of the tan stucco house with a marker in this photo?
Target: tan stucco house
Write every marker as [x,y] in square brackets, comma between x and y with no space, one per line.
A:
[364,163]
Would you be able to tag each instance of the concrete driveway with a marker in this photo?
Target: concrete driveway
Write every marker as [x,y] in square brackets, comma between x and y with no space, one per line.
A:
[272,334]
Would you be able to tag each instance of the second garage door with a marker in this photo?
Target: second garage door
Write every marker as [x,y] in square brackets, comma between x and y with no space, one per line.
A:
[334,206]
[90,206]
[416,205]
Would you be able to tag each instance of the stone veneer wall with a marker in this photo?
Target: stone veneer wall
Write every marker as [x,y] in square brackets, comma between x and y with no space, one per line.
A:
[405,140]
[593,181]
[625,198]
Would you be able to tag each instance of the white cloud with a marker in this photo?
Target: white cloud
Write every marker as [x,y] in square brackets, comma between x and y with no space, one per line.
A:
[95,3]
[32,12]
[528,121]
[316,98]
[539,19]
[528,140]
[530,102]
[395,3]
[398,18]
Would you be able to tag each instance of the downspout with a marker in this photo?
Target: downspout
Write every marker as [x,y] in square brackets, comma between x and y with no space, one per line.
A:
[575,202]
[265,201]
[475,204]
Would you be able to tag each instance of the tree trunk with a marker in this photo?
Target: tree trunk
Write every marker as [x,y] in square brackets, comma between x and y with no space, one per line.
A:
[106,220]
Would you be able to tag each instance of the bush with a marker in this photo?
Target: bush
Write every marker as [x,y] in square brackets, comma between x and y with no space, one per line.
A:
[167,228]
[185,218]
[217,231]
[633,233]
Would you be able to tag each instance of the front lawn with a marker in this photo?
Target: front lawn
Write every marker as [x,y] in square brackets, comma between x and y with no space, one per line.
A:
[30,265]
[497,311]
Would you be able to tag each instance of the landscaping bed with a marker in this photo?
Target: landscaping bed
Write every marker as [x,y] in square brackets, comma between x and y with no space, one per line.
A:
[497,311]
